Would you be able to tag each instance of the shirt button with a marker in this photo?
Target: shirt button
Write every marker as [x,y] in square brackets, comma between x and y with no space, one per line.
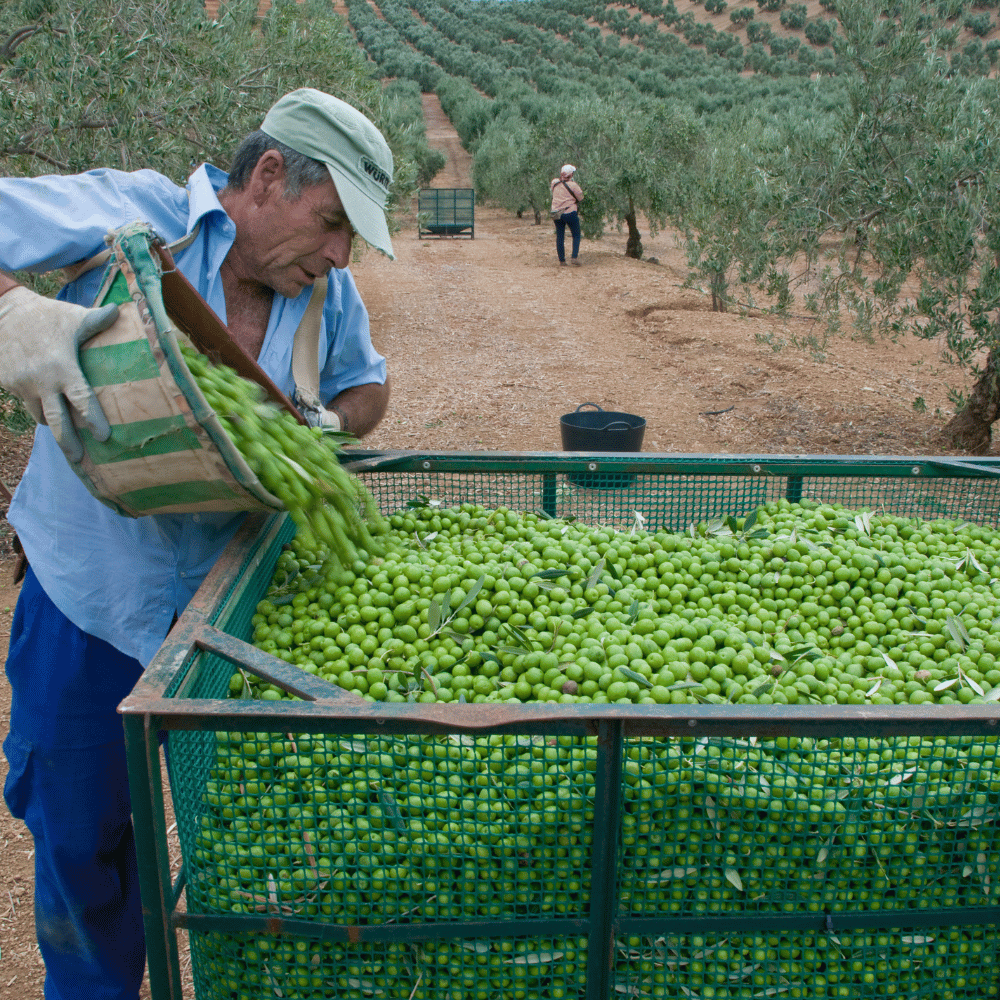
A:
[197,518]
[182,575]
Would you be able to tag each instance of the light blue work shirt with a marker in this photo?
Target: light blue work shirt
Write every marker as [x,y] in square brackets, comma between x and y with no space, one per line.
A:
[118,578]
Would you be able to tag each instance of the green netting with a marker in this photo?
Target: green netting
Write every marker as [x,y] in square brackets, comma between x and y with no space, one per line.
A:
[937,963]
[196,749]
[408,830]
[673,502]
[730,826]
[433,833]
[527,968]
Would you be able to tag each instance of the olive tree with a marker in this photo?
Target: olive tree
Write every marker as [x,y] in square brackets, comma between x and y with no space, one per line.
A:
[157,83]
[733,195]
[629,158]
[909,185]
[508,168]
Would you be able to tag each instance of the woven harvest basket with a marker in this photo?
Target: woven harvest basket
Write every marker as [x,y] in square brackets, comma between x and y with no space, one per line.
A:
[167,453]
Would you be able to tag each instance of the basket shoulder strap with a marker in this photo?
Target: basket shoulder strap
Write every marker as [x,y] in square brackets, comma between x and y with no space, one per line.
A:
[568,188]
[73,271]
[305,348]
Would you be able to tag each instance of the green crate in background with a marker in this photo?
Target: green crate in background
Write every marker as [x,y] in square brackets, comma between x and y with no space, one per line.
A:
[493,851]
[446,212]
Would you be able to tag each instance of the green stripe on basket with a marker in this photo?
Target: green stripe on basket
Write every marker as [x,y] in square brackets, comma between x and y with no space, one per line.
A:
[118,292]
[169,495]
[141,439]
[113,364]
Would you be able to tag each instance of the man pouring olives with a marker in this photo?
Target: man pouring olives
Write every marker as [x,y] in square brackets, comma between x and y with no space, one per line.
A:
[101,589]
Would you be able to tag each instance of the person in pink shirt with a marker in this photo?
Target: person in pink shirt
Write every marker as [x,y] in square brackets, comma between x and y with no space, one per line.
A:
[566,197]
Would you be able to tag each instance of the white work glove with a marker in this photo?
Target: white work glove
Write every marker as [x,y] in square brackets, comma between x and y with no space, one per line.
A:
[322,417]
[40,342]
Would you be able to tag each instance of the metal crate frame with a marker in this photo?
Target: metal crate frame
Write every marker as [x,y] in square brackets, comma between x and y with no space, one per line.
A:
[446,212]
[158,703]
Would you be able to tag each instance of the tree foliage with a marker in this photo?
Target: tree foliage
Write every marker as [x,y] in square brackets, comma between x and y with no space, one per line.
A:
[156,83]
[630,161]
[909,181]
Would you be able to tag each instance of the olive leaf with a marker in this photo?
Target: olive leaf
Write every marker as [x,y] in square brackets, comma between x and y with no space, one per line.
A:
[969,558]
[518,634]
[433,615]
[596,573]
[479,947]
[514,650]
[662,875]
[472,594]
[975,817]
[536,958]
[957,630]
[712,814]
[633,675]
[974,684]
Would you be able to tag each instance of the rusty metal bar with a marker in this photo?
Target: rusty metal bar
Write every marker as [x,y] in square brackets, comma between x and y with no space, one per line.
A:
[353,715]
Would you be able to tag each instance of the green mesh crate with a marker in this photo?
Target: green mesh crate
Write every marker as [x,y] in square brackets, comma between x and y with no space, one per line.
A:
[334,847]
[446,212]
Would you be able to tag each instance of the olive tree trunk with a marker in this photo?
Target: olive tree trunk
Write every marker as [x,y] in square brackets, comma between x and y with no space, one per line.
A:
[972,429]
[633,246]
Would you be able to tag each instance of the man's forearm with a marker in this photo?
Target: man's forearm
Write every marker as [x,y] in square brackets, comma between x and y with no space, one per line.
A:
[7,282]
[361,407]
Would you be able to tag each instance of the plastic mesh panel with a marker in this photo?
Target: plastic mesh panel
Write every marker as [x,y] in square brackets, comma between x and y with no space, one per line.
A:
[471,969]
[720,826]
[408,830]
[939,963]
[430,831]
[672,502]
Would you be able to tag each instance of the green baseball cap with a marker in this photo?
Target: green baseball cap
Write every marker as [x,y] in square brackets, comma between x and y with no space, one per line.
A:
[358,158]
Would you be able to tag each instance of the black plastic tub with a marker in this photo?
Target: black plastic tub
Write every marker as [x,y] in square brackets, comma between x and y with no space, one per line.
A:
[601,430]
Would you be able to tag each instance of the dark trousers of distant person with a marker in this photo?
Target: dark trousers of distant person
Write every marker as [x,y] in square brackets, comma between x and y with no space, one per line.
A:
[571,219]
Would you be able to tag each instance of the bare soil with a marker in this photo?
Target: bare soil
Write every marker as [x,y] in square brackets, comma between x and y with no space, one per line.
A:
[489,342]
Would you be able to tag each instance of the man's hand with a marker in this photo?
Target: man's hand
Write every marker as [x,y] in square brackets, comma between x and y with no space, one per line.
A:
[40,342]
[321,417]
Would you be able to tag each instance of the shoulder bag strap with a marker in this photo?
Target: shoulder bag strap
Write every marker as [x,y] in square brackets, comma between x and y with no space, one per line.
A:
[73,271]
[568,188]
[305,349]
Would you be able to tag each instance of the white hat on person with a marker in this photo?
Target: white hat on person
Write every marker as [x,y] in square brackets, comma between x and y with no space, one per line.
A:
[567,170]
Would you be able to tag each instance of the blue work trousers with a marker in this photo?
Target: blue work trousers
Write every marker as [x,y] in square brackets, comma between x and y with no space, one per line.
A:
[68,782]
[571,219]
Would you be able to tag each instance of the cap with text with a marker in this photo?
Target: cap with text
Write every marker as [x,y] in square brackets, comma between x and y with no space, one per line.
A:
[356,154]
